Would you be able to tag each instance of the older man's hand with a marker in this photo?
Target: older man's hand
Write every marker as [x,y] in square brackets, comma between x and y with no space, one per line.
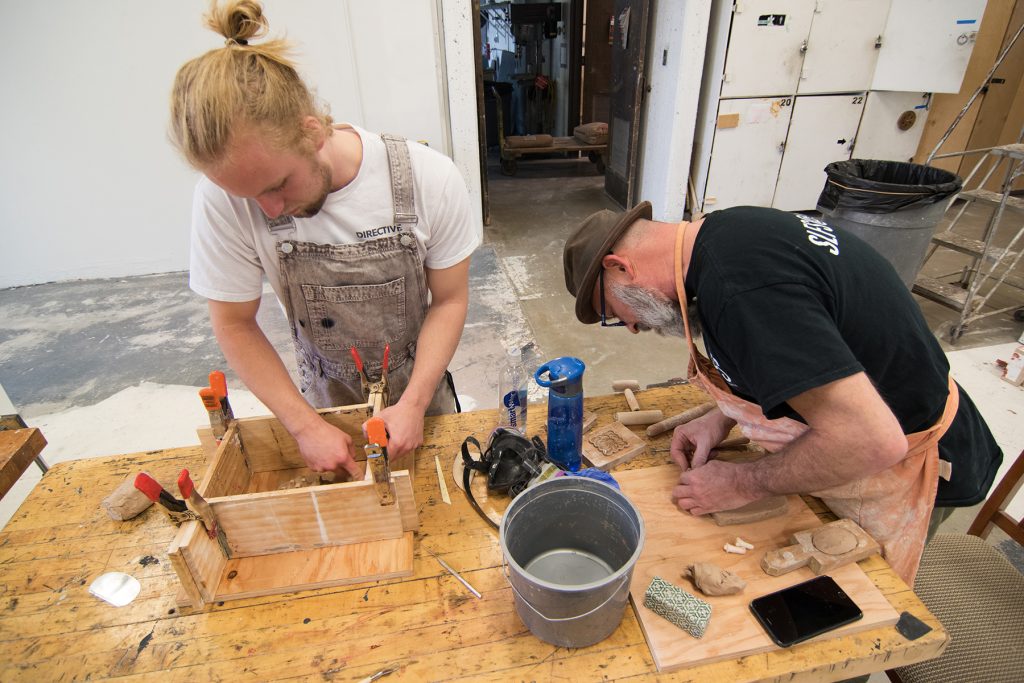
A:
[692,442]
[713,487]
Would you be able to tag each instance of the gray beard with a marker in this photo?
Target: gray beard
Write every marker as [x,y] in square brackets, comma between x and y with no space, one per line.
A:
[654,311]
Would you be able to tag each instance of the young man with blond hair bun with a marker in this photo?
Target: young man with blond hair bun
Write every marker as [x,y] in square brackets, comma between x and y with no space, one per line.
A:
[365,239]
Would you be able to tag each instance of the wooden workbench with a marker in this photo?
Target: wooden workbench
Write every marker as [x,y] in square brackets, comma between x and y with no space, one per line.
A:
[51,628]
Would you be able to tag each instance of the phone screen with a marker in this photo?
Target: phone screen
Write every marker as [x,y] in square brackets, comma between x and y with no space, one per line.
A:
[805,610]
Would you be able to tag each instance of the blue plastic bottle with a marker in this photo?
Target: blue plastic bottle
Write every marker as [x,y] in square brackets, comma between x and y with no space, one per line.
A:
[564,381]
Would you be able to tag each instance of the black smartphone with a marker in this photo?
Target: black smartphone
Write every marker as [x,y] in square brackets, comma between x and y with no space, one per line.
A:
[794,614]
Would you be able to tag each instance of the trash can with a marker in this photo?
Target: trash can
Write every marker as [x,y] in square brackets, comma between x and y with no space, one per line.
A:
[894,206]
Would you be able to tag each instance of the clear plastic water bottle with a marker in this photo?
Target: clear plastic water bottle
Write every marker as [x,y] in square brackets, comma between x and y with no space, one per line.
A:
[512,392]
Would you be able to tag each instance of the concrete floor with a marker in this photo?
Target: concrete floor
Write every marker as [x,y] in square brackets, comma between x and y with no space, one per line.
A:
[112,366]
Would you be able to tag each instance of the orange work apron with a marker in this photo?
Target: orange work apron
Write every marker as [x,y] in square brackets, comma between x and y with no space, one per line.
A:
[893,505]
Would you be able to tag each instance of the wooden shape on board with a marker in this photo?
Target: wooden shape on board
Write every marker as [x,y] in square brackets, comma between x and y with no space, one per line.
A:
[752,512]
[676,539]
[821,549]
[611,445]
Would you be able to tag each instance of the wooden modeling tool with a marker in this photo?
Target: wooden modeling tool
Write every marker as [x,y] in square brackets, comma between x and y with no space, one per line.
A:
[631,401]
[639,417]
[440,481]
[682,418]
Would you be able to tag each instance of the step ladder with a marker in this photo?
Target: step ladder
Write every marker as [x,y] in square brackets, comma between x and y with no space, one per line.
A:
[990,266]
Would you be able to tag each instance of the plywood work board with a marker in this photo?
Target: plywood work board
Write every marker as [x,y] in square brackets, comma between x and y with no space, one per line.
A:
[676,539]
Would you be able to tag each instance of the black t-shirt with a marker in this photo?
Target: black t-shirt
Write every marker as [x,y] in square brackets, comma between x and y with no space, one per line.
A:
[789,303]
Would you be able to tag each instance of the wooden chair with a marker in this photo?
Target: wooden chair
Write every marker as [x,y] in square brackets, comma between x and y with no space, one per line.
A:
[977,595]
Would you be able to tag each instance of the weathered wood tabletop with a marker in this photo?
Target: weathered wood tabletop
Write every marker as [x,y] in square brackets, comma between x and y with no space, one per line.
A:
[60,540]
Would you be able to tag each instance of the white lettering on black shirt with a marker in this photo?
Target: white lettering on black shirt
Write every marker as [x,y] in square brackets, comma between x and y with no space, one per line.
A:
[819,234]
[718,367]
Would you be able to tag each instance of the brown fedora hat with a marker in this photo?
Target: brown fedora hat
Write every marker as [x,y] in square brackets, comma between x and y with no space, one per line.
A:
[592,241]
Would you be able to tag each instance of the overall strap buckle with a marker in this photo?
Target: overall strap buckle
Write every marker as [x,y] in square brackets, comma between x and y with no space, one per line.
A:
[400,166]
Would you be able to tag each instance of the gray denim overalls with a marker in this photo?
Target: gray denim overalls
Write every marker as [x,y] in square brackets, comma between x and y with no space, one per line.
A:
[364,295]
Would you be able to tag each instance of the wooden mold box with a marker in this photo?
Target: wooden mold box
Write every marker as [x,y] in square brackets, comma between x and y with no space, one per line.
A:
[288,539]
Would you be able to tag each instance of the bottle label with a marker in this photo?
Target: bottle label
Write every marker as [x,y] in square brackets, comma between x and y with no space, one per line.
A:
[512,404]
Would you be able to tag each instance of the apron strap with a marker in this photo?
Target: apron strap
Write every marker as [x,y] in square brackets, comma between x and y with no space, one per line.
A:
[400,165]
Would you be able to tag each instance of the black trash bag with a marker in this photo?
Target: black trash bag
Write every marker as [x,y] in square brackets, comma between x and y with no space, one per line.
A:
[874,186]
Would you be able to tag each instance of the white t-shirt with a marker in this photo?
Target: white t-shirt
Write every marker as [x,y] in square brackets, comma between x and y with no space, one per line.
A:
[232,248]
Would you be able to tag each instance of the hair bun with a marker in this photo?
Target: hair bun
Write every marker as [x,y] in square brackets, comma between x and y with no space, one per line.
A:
[238,21]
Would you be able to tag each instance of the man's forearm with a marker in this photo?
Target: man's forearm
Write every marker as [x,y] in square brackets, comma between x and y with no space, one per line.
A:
[811,462]
[251,355]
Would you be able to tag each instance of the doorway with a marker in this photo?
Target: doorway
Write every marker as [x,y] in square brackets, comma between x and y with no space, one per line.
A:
[545,68]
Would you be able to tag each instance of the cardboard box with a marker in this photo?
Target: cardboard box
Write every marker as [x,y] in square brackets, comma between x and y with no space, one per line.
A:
[1014,371]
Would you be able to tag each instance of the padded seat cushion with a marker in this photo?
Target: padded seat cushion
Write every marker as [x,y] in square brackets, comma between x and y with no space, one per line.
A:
[979,598]
[521,141]
[595,133]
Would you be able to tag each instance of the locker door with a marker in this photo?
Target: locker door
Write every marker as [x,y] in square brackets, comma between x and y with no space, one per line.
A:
[926,45]
[821,132]
[891,126]
[746,152]
[841,50]
[764,55]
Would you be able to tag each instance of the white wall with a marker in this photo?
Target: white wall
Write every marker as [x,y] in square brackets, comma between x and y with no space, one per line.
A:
[678,37]
[459,66]
[89,183]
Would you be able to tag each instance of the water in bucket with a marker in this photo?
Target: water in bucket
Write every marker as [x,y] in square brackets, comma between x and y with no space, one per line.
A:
[569,566]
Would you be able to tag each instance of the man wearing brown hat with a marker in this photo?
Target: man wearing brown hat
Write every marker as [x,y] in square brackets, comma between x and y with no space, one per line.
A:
[814,347]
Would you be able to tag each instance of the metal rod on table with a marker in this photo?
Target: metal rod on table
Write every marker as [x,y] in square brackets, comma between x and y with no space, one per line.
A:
[454,573]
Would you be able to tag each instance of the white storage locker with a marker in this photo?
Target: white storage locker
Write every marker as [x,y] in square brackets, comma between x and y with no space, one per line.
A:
[842,46]
[747,151]
[927,44]
[891,126]
[822,131]
[764,55]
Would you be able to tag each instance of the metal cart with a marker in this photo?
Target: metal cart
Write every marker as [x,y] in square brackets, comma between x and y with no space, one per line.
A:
[560,145]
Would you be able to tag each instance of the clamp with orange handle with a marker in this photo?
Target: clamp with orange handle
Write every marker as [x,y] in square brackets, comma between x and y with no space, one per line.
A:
[376,392]
[215,400]
[377,459]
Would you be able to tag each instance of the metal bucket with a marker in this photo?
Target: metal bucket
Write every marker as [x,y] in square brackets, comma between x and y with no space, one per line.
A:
[902,237]
[570,545]
[894,206]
